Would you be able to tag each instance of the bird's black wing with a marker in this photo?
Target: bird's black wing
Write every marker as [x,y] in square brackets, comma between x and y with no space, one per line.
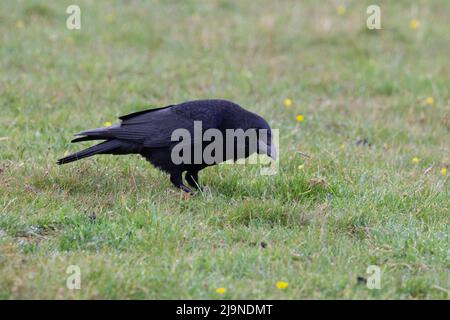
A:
[153,128]
[135,115]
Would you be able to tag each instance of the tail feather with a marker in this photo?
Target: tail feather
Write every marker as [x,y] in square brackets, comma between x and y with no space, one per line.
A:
[101,148]
[98,131]
[88,138]
[96,134]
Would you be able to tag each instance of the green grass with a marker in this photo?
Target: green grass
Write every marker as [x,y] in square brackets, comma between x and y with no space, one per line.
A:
[134,236]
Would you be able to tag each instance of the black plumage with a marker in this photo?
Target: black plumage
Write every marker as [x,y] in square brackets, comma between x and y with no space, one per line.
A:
[149,133]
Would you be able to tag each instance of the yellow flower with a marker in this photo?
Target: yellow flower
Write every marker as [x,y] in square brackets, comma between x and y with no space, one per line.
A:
[20,24]
[110,18]
[429,101]
[300,167]
[341,10]
[444,171]
[414,24]
[300,118]
[108,124]
[415,160]
[287,102]
[69,40]
[282,285]
[195,17]
[342,146]
[221,290]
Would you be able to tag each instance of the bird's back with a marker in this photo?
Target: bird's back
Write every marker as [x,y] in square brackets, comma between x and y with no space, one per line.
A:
[195,110]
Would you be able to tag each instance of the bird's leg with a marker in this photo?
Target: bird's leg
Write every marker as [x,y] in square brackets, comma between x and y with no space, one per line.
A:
[177,180]
[192,179]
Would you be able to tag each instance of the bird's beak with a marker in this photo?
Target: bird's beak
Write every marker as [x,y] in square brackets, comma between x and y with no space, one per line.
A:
[271,151]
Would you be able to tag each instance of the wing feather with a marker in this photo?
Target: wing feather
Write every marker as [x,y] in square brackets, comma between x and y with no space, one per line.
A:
[153,128]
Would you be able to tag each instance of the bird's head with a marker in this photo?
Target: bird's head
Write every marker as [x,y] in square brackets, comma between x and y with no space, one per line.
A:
[265,138]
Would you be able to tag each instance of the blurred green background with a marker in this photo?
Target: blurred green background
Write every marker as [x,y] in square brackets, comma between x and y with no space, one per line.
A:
[375,122]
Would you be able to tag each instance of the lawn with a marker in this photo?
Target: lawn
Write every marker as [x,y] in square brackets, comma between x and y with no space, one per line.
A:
[373,191]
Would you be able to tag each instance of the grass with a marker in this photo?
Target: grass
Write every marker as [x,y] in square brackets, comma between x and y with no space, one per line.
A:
[318,228]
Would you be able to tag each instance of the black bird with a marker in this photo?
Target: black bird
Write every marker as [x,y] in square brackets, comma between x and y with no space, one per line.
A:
[149,133]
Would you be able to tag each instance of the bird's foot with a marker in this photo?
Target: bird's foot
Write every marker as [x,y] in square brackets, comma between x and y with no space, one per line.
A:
[177,181]
[196,186]
[185,189]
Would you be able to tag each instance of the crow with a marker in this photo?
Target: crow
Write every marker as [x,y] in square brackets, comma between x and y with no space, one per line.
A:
[150,133]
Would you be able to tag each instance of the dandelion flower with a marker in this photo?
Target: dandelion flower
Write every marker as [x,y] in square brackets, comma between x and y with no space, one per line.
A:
[415,160]
[300,118]
[195,18]
[20,24]
[107,124]
[287,102]
[221,290]
[341,10]
[414,24]
[429,101]
[444,171]
[110,18]
[282,285]
[300,167]
[69,40]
